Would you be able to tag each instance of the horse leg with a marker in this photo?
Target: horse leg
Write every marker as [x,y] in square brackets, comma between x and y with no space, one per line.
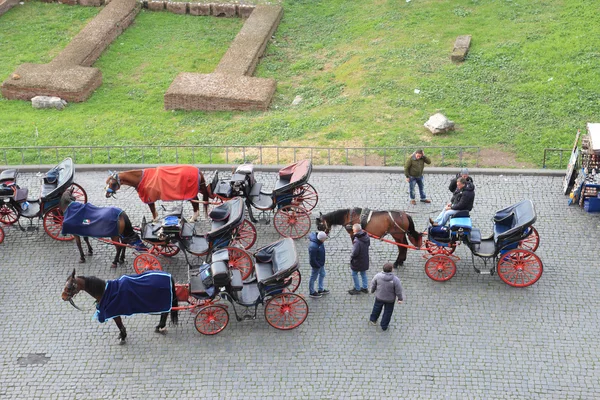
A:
[81,255]
[401,239]
[89,246]
[152,208]
[122,330]
[122,257]
[115,240]
[196,208]
[162,325]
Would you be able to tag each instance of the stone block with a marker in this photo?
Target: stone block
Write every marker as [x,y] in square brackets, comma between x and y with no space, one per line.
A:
[48,102]
[6,5]
[244,10]
[224,10]
[199,9]
[438,123]
[219,92]
[461,48]
[68,2]
[90,3]
[177,7]
[71,83]
[156,5]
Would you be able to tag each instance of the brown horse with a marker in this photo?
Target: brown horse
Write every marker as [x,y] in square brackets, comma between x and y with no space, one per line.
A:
[126,234]
[134,177]
[397,224]
[96,287]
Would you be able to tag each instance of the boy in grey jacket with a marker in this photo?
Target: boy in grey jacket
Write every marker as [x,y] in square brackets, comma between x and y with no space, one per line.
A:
[387,288]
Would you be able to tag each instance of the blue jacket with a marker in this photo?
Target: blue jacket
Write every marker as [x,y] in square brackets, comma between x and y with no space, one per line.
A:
[316,251]
[359,260]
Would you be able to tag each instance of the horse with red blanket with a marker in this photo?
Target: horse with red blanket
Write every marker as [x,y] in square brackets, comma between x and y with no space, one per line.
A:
[166,183]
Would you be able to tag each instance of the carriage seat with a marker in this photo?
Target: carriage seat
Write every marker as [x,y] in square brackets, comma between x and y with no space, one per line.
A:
[197,287]
[292,176]
[234,210]
[460,220]
[8,175]
[7,190]
[276,261]
[510,222]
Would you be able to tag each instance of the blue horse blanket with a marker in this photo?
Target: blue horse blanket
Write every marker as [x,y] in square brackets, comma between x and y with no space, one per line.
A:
[147,293]
[91,221]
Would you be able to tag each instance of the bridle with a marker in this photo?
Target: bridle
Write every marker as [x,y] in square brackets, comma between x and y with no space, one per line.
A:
[113,179]
[72,290]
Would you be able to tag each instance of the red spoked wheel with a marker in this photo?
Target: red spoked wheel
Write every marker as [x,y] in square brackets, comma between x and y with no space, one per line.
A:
[167,250]
[240,260]
[295,284]
[440,268]
[286,311]
[1,235]
[520,268]
[78,192]
[53,220]
[434,249]
[306,197]
[292,221]
[531,242]
[8,214]
[211,320]
[244,235]
[146,262]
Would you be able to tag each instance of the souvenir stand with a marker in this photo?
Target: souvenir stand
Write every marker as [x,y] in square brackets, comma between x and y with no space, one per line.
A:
[586,189]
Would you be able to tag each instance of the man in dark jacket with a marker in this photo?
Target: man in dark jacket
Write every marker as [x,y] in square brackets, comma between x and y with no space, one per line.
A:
[316,254]
[387,288]
[413,170]
[462,200]
[359,260]
[463,173]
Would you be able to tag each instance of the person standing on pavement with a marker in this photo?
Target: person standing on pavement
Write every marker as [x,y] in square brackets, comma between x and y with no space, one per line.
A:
[387,288]
[464,173]
[316,254]
[413,170]
[359,259]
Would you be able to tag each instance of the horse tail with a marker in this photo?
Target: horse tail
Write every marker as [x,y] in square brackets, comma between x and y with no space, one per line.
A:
[174,303]
[416,238]
[204,189]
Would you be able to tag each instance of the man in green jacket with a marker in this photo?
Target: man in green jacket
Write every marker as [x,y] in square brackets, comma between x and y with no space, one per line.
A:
[413,170]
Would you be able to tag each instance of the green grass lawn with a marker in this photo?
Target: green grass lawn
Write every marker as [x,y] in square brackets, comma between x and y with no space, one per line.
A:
[531,79]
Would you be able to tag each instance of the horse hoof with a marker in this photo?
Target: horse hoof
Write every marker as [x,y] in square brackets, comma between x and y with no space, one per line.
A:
[401,263]
[121,341]
[162,330]
[113,265]
[90,253]
[81,260]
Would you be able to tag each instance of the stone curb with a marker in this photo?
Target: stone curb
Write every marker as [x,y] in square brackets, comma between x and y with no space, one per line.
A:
[316,168]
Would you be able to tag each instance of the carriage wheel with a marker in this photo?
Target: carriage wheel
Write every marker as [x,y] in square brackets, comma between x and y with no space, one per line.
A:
[434,249]
[53,220]
[79,193]
[296,279]
[440,268]
[146,262]
[292,221]
[531,242]
[241,261]
[8,214]
[1,235]
[167,250]
[286,311]
[306,196]
[244,235]
[520,268]
[211,320]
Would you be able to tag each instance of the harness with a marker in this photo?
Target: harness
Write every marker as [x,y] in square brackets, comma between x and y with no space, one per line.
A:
[115,176]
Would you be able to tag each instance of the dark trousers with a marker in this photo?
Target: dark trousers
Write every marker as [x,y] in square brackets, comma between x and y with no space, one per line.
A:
[388,309]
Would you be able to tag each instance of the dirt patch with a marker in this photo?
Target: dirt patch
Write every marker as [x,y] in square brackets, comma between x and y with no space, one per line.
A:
[494,158]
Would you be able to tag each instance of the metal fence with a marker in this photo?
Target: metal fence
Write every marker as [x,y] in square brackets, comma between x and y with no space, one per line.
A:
[556,158]
[452,156]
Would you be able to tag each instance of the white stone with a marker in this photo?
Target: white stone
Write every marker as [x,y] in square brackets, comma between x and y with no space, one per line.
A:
[297,100]
[438,123]
[48,102]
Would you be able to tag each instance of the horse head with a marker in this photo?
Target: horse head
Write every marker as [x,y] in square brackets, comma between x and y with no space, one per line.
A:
[322,223]
[66,198]
[113,183]
[71,288]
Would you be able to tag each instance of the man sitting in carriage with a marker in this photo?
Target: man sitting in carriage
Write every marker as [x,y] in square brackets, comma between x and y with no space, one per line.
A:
[462,200]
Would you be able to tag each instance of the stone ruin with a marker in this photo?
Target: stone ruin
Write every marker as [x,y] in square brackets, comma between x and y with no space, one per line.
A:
[231,87]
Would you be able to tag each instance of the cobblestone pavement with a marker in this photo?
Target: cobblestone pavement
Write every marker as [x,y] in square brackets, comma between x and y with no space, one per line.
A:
[471,337]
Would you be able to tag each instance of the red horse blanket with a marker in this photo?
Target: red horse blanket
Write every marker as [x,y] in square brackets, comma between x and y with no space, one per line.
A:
[169,183]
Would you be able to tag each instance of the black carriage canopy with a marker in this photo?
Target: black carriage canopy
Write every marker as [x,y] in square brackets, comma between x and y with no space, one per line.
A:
[293,176]
[58,179]
[276,261]
[512,220]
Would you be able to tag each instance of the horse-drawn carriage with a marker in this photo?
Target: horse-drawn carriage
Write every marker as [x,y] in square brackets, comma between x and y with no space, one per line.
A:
[290,201]
[510,248]
[156,292]
[173,233]
[14,201]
